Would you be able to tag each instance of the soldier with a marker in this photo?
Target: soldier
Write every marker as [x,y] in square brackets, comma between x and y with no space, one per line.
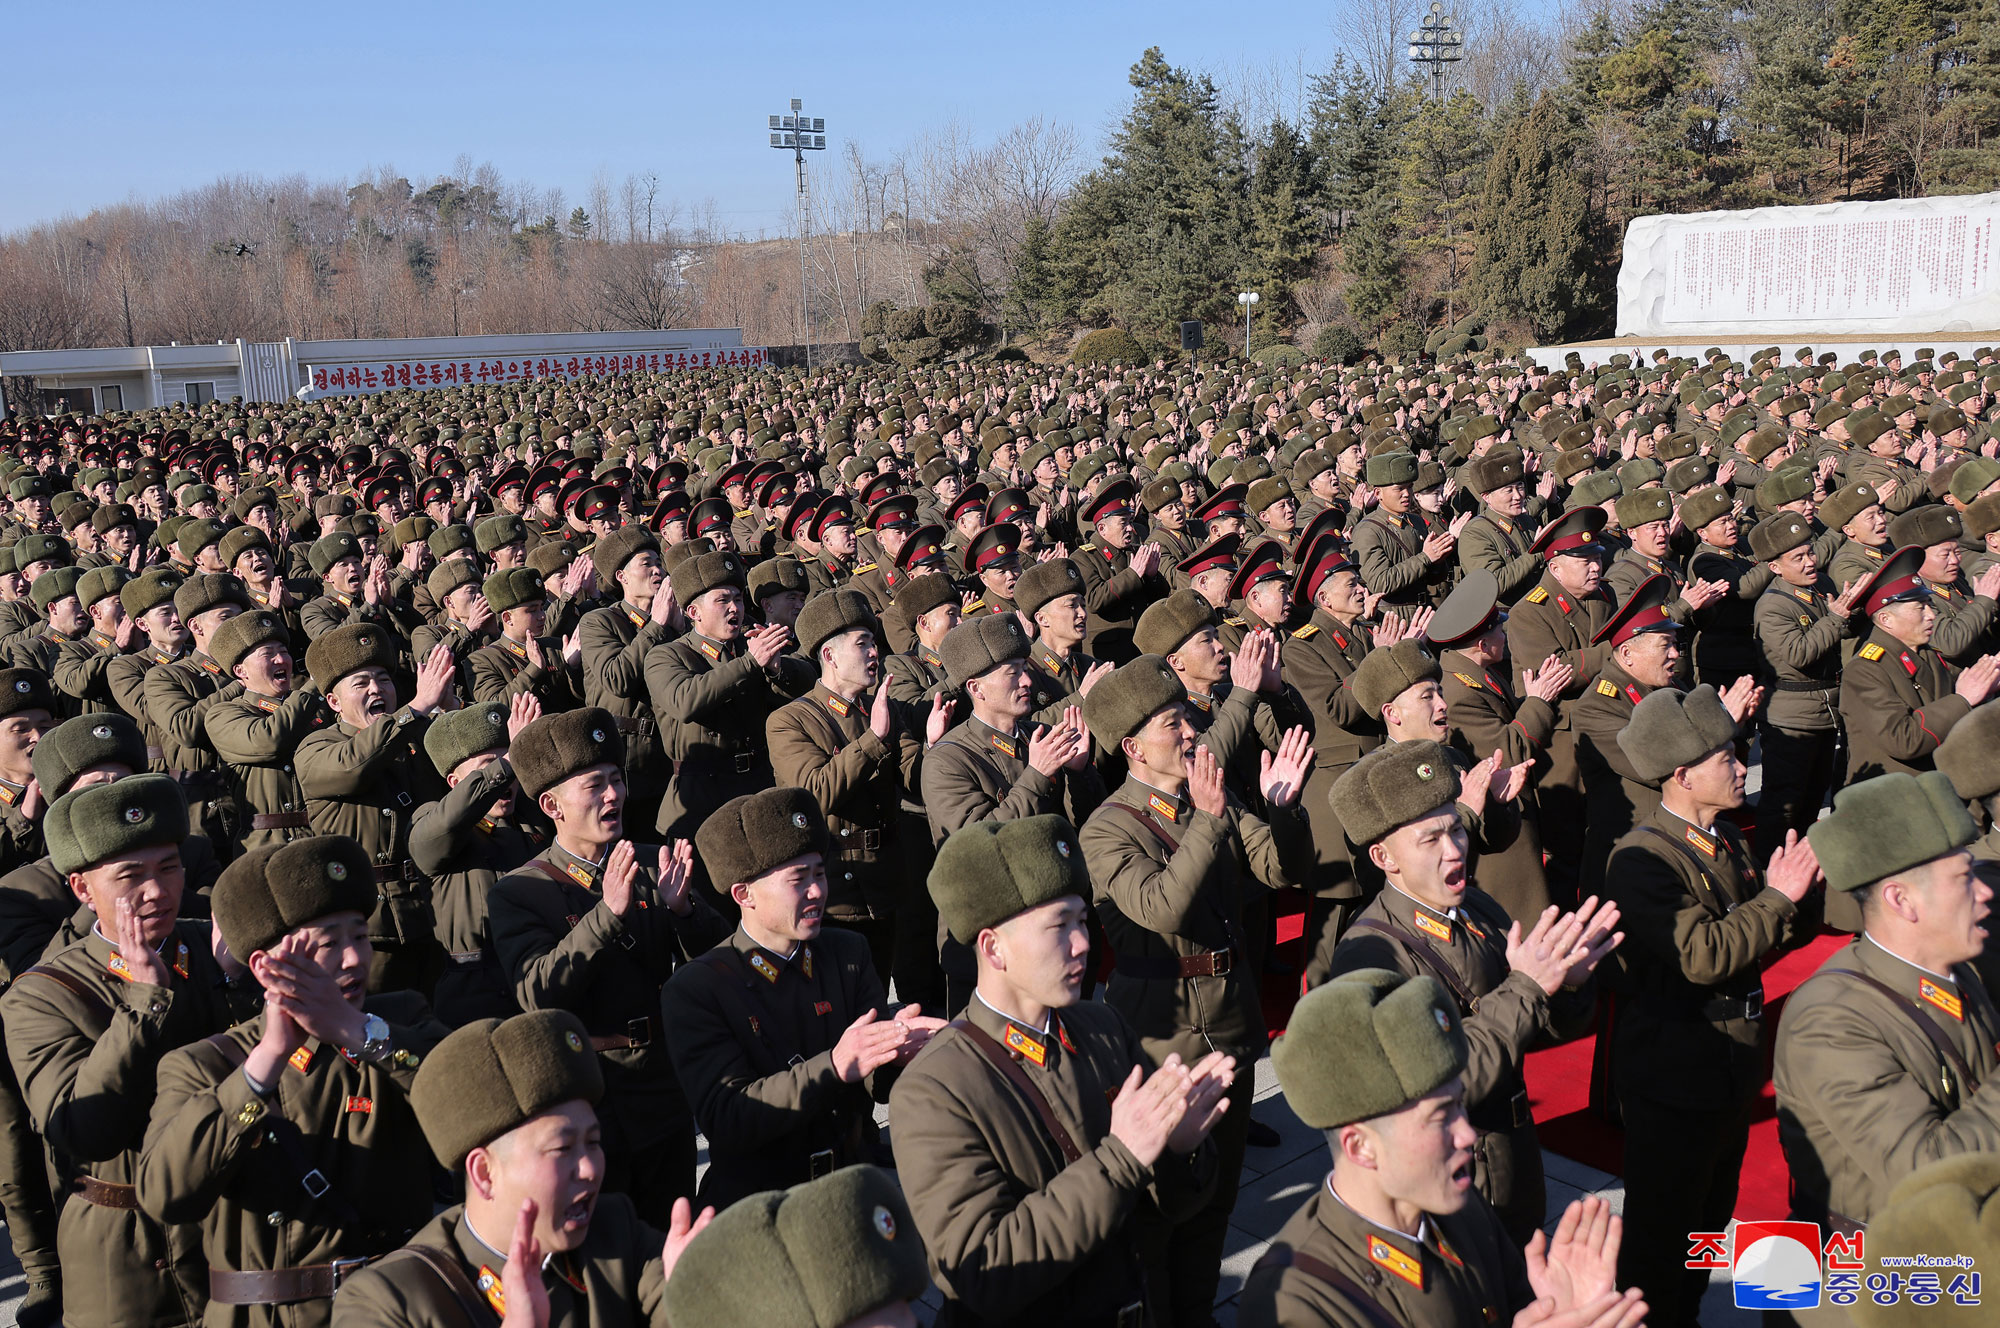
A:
[1700,919]
[1965,612]
[1483,714]
[257,726]
[993,560]
[1119,579]
[524,658]
[993,765]
[1514,984]
[854,749]
[466,841]
[27,711]
[614,642]
[54,593]
[86,1030]
[1897,698]
[149,601]
[1562,615]
[930,603]
[831,530]
[782,1037]
[1169,853]
[1263,588]
[1800,625]
[82,667]
[1401,558]
[587,928]
[178,696]
[1886,1054]
[713,688]
[1051,594]
[1399,1235]
[1038,1145]
[1646,516]
[1856,511]
[248,553]
[300,1112]
[461,623]
[1494,541]
[357,589]
[364,777]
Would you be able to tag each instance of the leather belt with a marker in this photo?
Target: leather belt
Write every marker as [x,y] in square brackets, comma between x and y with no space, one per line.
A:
[1159,968]
[638,1033]
[745,762]
[1807,685]
[192,777]
[280,1286]
[871,840]
[106,1194]
[395,871]
[637,726]
[280,821]
[1735,1007]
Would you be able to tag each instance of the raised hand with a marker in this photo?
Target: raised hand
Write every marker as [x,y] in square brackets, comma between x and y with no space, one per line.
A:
[1987,583]
[1146,1111]
[142,961]
[768,642]
[1281,778]
[522,711]
[521,1287]
[1597,921]
[1476,784]
[1701,594]
[1206,1101]
[1742,697]
[1848,600]
[1205,789]
[675,873]
[1976,683]
[1580,1264]
[939,720]
[682,1227]
[306,993]
[881,720]
[1793,868]
[868,1044]
[480,615]
[1052,748]
[1550,681]
[1508,781]
[434,679]
[1092,674]
[1246,666]
[621,872]
[666,609]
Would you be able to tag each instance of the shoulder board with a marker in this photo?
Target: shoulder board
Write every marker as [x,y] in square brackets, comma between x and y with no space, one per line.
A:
[1306,633]
[1088,548]
[1235,621]
[1467,679]
[1871,652]
[865,567]
[976,604]
[1605,688]
[1539,595]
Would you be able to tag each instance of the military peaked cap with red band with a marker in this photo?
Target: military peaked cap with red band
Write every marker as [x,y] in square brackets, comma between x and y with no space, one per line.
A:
[1644,611]
[1328,521]
[993,546]
[896,512]
[1896,580]
[925,545]
[1114,499]
[1575,531]
[833,510]
[1262,561]
[1227,503]
[1472,607]
[1326,557]
[707,517]
[1216,553]
[1007,505]
[673,506]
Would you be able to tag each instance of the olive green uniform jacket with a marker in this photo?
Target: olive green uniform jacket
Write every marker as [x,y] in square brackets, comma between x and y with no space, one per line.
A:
[126,675]
[752,1034]
[1898,705]
[824,744]
[178,696]
[501,671]
[1171,882]
[83,673]
[1964,628]
[1466,1272]
[257,738]
[1486,717]
[1319,657]
[1864,1098]
[367,783]
[463,852]
[1500,545]
[618,1265]
[1801,640]
[1014,1233]
[1613,791]
[87,1045]
[614,642]
[221,1154]
[1115,596]
[712,701]
[1503,1014]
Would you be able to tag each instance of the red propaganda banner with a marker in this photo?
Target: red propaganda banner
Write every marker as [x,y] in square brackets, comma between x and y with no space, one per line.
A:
[388,375]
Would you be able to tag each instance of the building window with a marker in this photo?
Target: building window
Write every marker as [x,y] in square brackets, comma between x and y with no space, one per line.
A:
[110,399]
[200,394]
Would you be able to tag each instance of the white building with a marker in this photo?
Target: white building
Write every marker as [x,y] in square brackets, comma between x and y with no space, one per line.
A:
[102,379]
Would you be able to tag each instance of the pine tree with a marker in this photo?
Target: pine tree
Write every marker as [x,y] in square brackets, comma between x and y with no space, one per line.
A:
[1535,257]
[1372,256]
[1283,226]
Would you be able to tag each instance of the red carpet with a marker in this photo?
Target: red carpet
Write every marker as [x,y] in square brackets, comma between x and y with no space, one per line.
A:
[1559,1079]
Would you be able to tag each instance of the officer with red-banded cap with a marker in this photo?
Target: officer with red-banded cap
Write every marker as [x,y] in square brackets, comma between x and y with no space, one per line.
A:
[1225,513]
[1262,587]
[670,518]
[993,559]
[1561,616]
[1209,569]
[1898,697]
[831,530]
[711,519]
[892,519]
[1121,576]
[965,516]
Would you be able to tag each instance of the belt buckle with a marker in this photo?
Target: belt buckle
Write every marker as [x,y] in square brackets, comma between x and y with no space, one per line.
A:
[744,760]
[315,1183]
[1753,1005]
[1131,1316]
[640,1031]
[1220,962]
[871,840]
[1522,1115]
[342,1267]
[821,1163]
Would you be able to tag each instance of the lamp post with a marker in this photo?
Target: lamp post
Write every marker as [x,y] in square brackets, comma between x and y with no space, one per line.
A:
[1437,45]
[801,134]
[1248,299]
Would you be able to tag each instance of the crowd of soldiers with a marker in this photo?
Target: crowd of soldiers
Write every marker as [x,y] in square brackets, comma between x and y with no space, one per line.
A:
[424,816]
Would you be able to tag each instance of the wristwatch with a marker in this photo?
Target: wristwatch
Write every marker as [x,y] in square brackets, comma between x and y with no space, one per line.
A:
[374,1040]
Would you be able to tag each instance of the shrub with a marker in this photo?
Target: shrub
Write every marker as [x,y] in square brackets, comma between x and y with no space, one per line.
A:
[1010,355]
[1339,344]
[904,324]
[1403,341]
[875,316]
[1279,355]
[871,347]
[954,324]
[916,350]
[1109,345]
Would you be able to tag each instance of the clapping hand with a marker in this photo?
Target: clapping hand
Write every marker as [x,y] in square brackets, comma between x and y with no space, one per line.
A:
[1282,777]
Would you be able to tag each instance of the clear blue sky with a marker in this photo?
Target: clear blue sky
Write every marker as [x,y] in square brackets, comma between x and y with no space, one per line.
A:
[117,100]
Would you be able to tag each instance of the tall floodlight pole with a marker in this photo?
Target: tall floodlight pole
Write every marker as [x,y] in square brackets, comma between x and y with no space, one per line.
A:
[1248,299]
[1437,45]
[801,134]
